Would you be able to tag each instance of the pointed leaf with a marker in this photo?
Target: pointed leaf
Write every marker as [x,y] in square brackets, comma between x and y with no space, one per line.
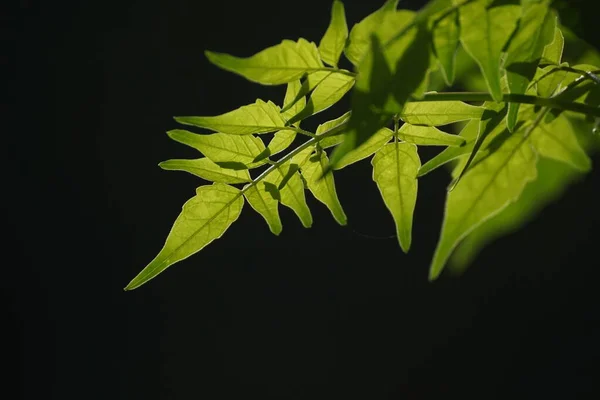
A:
[263,202]
[557,140]
[222,148]
[446,36]
[436,113]
[204,218]
[536,30]
[483,34]
[326,126]
[554,50]
[368,148]
[360,35]
[259,117]
[323,189]
[208,170]
[293,96]
[333,42]
[308,85]
[395,169]
[485,190]
[428,136]
[326,94]
[292,194]
[282,63]
[549,80]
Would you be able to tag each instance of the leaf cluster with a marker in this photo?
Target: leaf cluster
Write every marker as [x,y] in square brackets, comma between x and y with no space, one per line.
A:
[517,137]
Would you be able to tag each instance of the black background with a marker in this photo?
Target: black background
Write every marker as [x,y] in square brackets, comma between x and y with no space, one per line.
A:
[328,312]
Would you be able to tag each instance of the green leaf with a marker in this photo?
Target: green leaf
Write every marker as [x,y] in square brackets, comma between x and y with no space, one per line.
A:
[395,169]
[208,170]
[223,149]
[281,141]
[491,118]
[549,80]
[483,34]
[259,117]
[428,136]
[487,188]
[536,30]
[323,189]
[326,126]
[327,93]
[436,113]
[360,35]
[262,201]
[308,85]
[558,140]
[553,51]
[204,218]
[446,35]
[292,194]
[552,180]
[275,65]
[469,133]
[368,148]
[295,99]
[333,42]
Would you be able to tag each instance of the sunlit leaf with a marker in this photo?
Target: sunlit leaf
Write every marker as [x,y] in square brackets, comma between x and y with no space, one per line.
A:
[446,36]
[485,190]
[326,94]
[308,85]
[225,150]
[323,188]
[368,148]
[436,113]
[294,98]
[359,40]
[206,169]
[326,126]
[557,140]
[333,42]
[395,169]
[263,202]
[204,218]
[553,51]
[260,117]
[428,136]
[282,63]
[292,194]
[483,34]
[536,30]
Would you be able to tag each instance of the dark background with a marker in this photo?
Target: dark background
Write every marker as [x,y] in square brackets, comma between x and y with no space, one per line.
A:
[328,312]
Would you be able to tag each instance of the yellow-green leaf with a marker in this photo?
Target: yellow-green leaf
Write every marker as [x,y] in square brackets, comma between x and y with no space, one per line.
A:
[323,186]
[446,37]
[233,151]
[204,218]
[428,136]
[333,42]
[374,143]
[275,65]
[395,169]
[436,113]
[308,85]
[292,194]
[263,202]
[206,169]
[326,126]
[553,51]
[483,34]
[294,99]
[260,117]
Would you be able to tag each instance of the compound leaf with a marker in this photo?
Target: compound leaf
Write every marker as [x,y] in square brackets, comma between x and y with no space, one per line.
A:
[446,35]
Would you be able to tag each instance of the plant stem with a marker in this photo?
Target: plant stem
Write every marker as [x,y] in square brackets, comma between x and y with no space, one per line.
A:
[313,140]
[512,98]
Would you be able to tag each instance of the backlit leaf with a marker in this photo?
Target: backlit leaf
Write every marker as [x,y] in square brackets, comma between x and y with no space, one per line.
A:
[428,136]
[333,42]
[368,148]
[323,188]
[395,169]
[225,150]
[553,51]
[446,36]
[204,218]
[275,65]
[436,113]
[206,169]
[483,34]
[292,194]
[326,126]
[263,202]
[294,99]
[259,117]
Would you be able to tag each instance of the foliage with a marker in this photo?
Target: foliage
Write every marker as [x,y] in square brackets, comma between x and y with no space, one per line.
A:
[514,139]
